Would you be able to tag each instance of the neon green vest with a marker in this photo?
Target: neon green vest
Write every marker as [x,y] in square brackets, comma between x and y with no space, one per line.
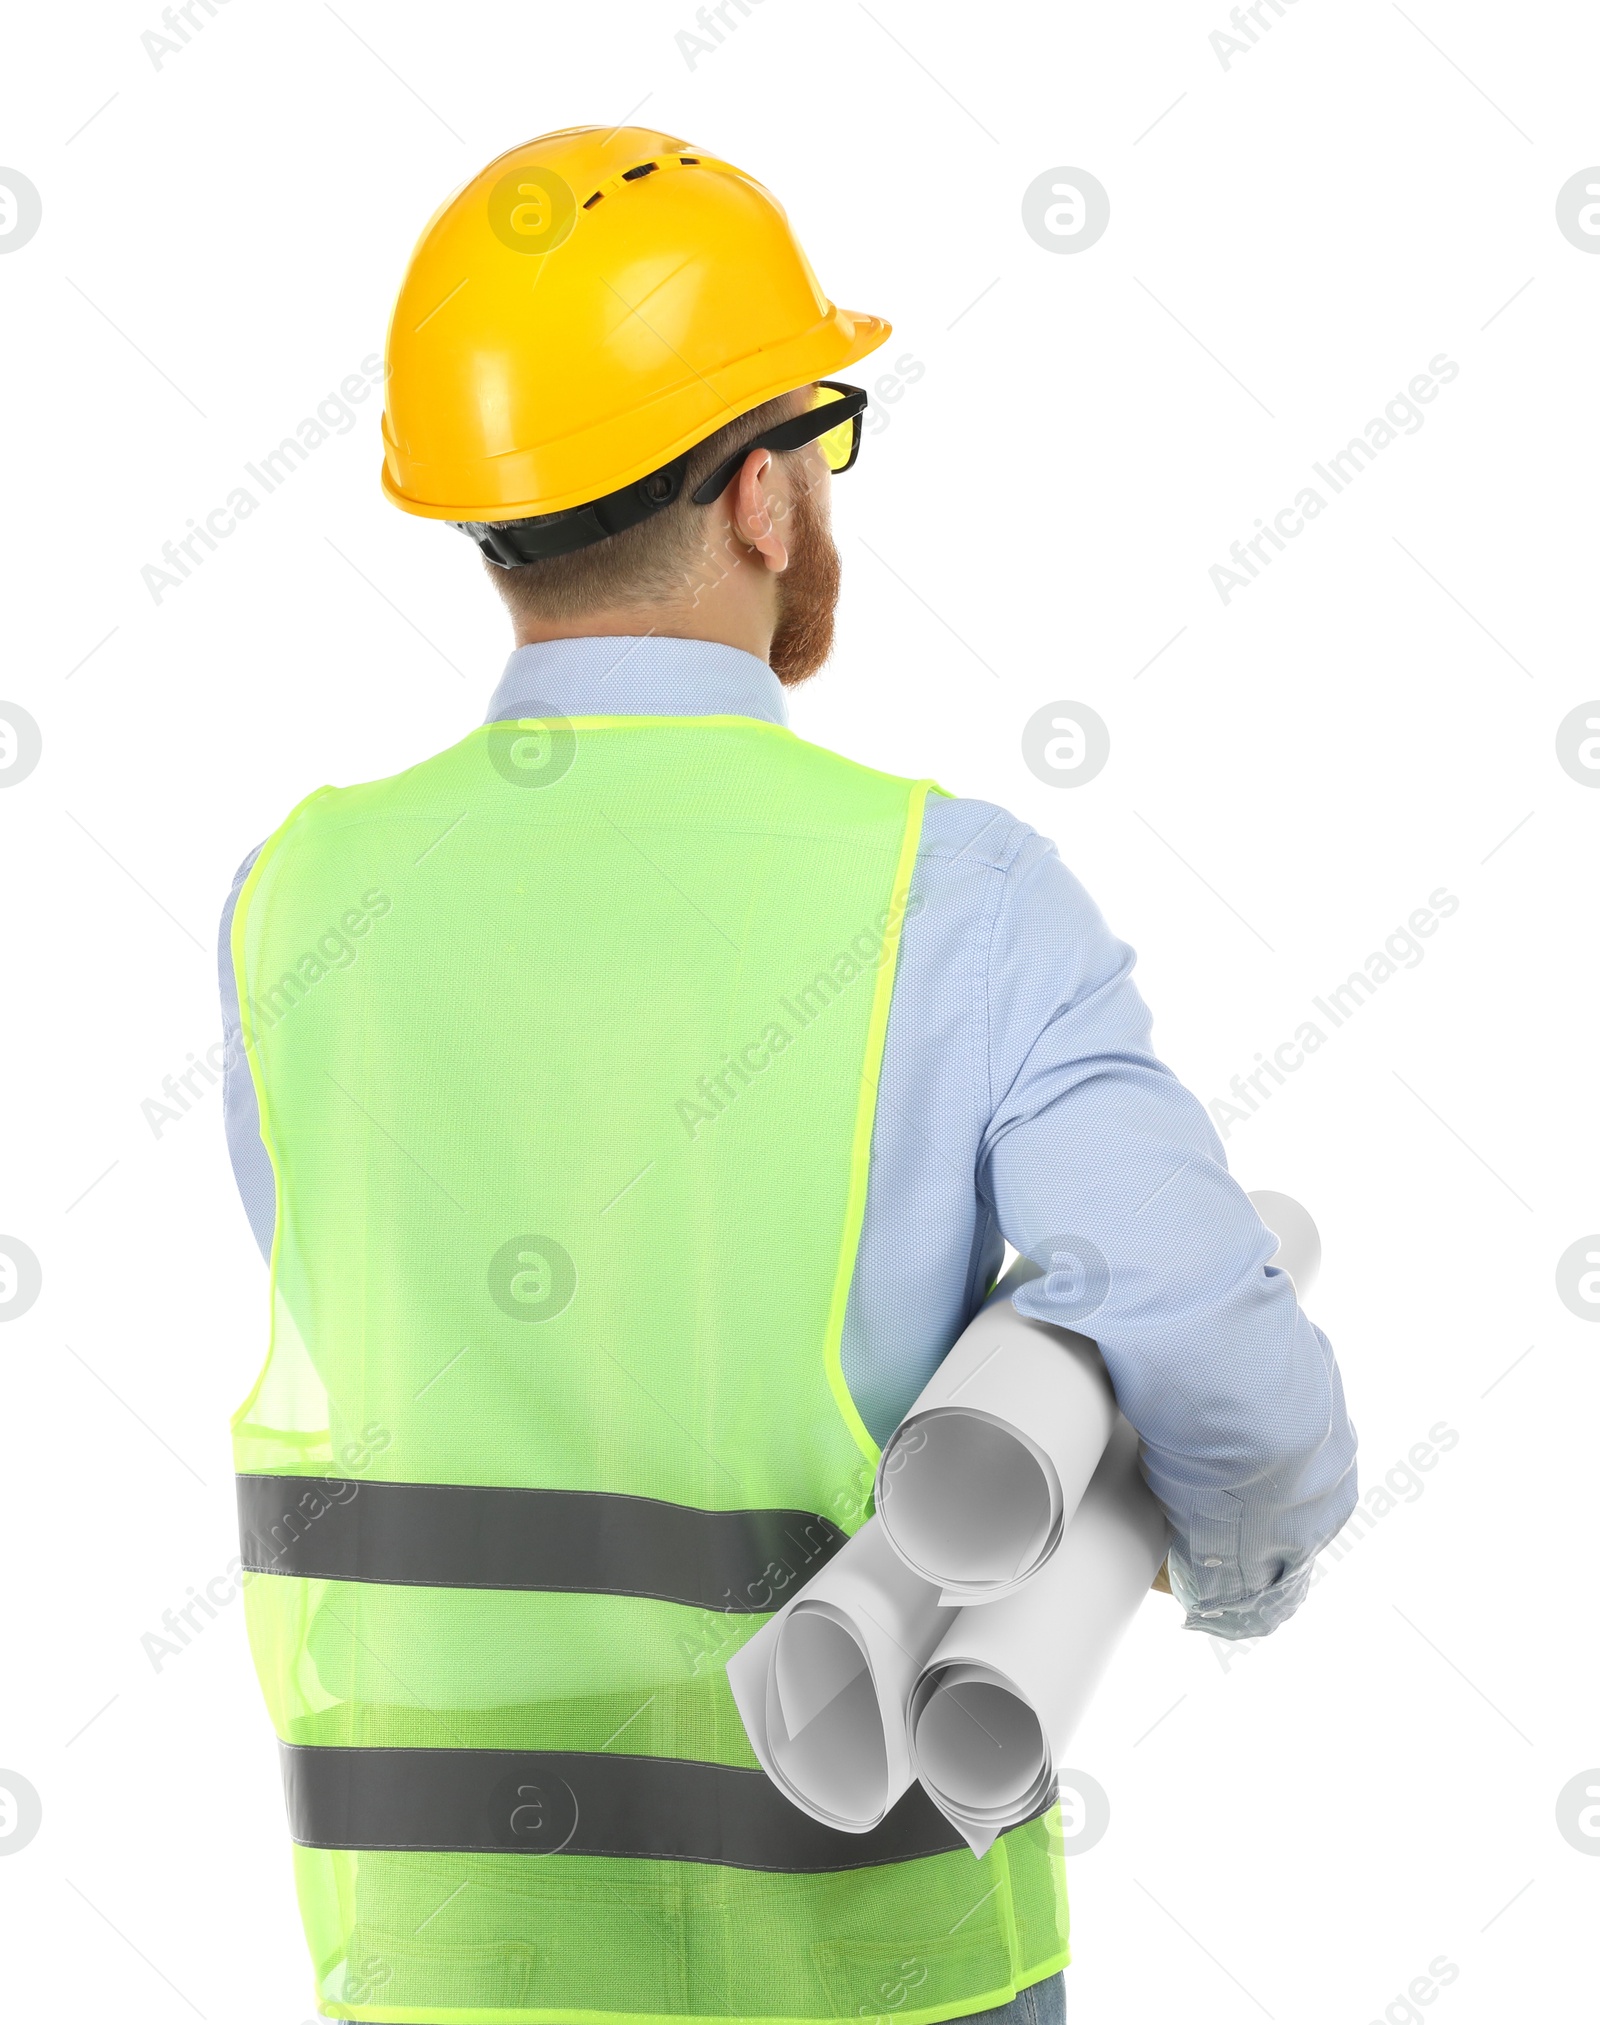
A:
[566,1044]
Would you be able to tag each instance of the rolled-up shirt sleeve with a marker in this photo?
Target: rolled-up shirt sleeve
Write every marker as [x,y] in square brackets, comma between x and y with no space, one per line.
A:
[1106,1172]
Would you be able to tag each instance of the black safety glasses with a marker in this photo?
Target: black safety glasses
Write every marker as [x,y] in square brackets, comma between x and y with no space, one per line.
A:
[832,422]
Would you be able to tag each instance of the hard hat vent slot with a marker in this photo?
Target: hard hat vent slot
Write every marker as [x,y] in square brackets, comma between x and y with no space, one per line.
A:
[638,173]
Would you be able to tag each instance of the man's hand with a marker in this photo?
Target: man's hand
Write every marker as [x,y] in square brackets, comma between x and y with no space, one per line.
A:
[1161,1581]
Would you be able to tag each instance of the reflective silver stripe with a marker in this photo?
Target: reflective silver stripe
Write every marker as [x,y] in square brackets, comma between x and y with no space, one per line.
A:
[475,1536]
[583,1803]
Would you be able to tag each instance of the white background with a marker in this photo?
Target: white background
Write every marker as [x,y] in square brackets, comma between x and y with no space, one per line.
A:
[1299,1829]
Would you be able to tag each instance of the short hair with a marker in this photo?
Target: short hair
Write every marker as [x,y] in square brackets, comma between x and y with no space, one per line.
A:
[648,561]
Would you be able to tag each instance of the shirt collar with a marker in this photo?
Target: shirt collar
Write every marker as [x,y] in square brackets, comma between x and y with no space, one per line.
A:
[649,676]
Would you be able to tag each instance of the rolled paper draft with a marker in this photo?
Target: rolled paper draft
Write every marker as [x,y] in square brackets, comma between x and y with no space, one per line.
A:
[979,1481]
[1299,1252]
[822,1687]
[995,1707]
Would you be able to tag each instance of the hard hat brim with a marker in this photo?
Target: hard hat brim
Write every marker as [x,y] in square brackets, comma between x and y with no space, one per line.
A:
[627,447]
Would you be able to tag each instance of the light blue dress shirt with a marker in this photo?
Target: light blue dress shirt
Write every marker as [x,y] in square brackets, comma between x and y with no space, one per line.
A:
[1020,1100]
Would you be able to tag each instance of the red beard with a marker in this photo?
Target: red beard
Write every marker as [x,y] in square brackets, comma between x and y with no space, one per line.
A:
[808,592]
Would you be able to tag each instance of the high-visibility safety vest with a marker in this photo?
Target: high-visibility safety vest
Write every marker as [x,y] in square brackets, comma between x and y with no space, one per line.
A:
[566,1044]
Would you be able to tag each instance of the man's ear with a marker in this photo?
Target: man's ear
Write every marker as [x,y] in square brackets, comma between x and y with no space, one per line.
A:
[753,492]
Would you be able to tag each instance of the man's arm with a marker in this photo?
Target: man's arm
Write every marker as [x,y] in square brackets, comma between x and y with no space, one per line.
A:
[1105,1171]
[252,1166]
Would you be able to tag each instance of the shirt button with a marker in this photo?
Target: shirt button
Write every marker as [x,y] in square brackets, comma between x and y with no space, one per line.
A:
[1213,1560]
[1211,1613]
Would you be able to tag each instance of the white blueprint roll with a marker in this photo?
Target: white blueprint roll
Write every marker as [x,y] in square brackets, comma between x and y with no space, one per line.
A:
[1299,1252]
[984,1473]
[993,1710]
[822,1688]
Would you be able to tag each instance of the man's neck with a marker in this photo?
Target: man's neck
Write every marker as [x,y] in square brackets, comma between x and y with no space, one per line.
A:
[749,631]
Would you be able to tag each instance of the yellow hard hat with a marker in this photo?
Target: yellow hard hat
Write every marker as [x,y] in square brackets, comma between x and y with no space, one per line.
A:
[586,309]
